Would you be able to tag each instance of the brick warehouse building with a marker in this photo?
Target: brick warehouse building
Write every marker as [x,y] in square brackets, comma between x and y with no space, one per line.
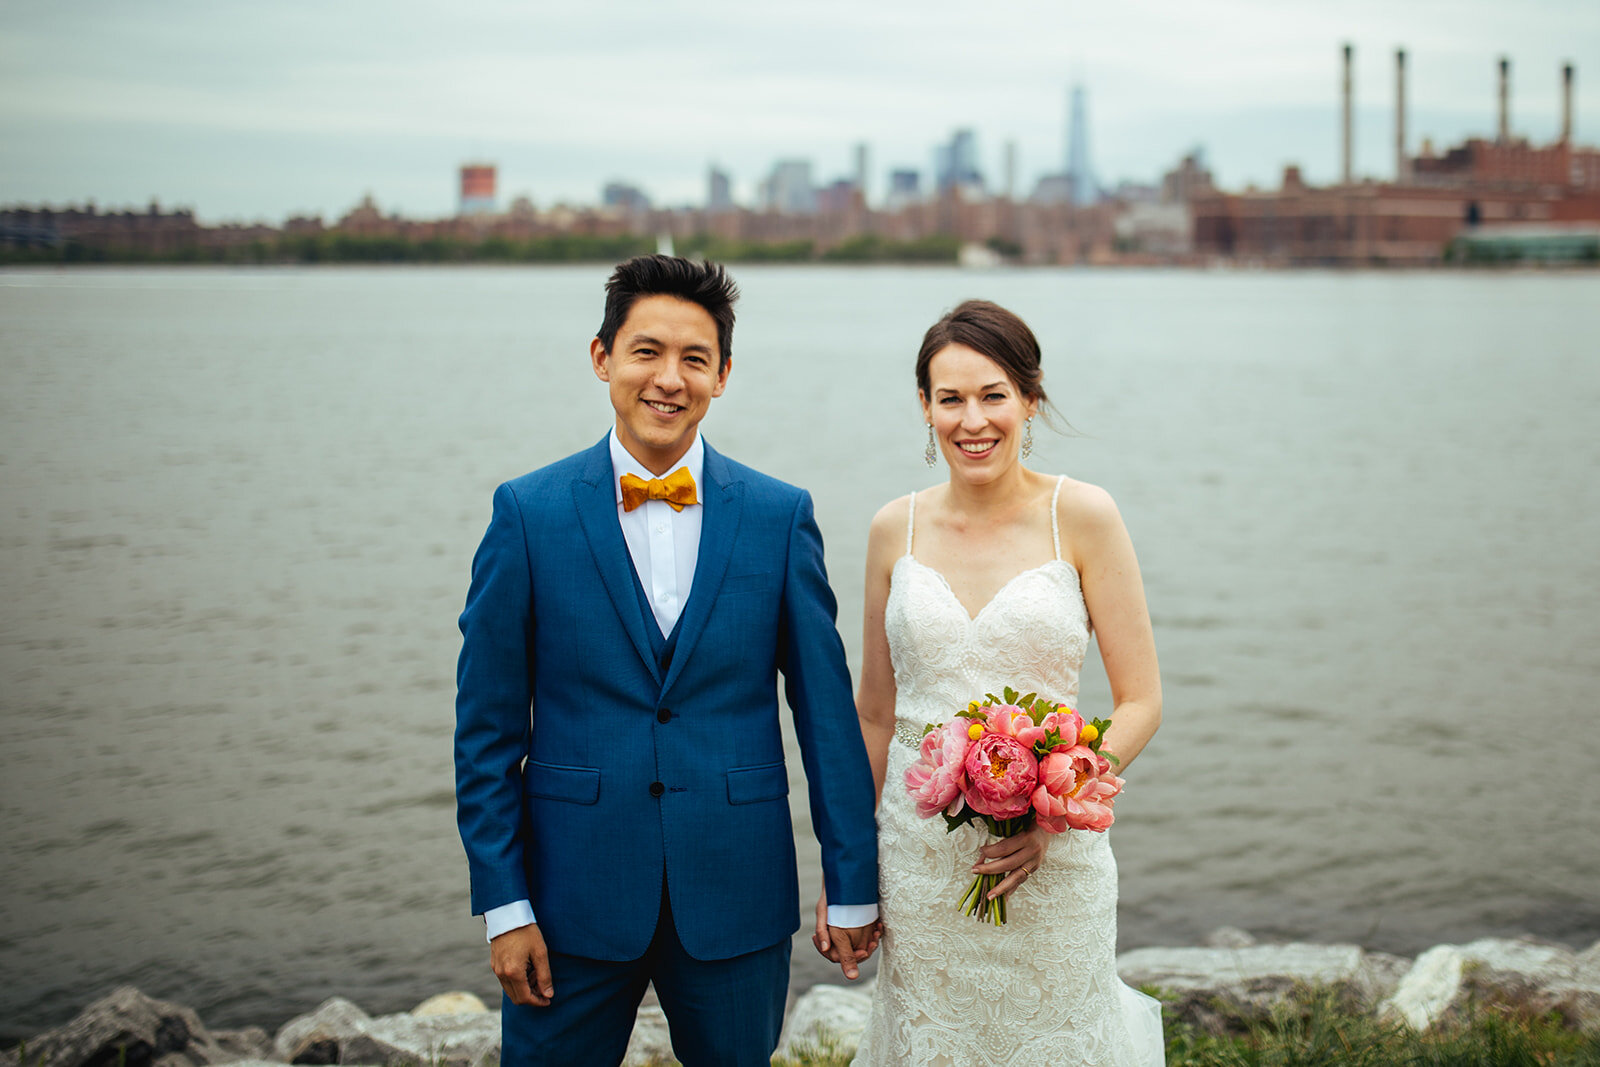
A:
[1503,183]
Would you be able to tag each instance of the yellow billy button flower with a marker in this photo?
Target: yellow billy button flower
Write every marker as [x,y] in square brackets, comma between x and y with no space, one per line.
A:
[975,731]
[974,706]
[1088,734]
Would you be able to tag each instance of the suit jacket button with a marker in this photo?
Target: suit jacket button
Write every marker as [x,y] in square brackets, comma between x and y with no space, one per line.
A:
[656,789]
[664,715]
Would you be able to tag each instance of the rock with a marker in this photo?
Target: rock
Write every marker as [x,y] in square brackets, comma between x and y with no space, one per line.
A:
[828,1017]
[651,1042]
[1229,937]
[340,1032]
[125,1029]
[251,1043]
[455,1003]
[1384,972]
[1218,988]
[460,1040]
[1522,975]
[316,1038]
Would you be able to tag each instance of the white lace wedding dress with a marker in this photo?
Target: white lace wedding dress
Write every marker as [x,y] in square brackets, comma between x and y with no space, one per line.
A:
[953,991]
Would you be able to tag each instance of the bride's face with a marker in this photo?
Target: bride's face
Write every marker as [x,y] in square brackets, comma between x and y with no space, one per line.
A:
[977,412]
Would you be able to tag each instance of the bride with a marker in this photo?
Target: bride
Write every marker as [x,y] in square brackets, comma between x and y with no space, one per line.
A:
[996,578]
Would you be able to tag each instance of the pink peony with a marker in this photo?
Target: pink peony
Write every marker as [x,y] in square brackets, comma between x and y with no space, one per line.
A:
[1011,721]
[1075,790]
[1001,774]
[1068,723]
[1091,808]
[935,781]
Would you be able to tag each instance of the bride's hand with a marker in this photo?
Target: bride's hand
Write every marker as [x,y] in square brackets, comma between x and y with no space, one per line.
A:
[1016,857]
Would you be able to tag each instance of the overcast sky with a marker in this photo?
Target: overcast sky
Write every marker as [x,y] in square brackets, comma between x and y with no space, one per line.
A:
[259,110]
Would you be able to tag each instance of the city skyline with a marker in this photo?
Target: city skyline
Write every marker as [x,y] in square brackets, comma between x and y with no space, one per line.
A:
[264,112]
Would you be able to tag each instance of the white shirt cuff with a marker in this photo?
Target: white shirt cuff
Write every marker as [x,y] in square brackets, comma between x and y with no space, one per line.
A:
[508,917]
[850,916]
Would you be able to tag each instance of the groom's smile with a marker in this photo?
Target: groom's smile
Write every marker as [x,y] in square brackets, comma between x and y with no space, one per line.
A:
[664,369]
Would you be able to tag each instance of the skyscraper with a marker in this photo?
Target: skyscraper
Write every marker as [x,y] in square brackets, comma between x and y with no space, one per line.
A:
[1080,173]
[789,189]
[719,191]
[955,165]
[905,187]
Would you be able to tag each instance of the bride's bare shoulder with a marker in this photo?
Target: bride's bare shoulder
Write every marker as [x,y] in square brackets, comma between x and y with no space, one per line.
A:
[1086,509]
[894,515]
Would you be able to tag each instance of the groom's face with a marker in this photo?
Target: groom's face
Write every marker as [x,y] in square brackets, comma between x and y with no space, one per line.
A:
[663,369]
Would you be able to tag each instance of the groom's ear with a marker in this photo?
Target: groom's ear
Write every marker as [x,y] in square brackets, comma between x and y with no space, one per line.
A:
[601,360]
[722,376]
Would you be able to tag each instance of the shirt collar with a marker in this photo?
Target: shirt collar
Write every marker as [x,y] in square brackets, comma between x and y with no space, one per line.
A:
[622,462]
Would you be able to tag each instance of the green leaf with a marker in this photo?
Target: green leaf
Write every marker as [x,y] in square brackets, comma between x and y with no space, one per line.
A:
[955,822]
[1027,701]
[1011,695]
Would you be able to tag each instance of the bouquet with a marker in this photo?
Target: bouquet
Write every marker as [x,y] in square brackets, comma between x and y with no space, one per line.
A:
[1013,763]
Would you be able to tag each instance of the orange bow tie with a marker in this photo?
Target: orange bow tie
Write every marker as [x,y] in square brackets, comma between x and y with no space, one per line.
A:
[676,489]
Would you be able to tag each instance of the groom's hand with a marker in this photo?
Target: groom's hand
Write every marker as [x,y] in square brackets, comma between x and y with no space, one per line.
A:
[522,964]
[851,946]
[845,946]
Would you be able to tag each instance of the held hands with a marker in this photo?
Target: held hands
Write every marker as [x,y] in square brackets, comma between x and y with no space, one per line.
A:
[521,962]
[847,946]
[1017,857]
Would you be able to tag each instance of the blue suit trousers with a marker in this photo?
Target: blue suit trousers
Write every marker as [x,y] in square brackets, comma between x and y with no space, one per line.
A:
[722,1013]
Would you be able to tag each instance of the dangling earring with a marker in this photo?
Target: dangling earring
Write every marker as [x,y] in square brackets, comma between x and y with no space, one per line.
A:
[1027,438]
[931,455]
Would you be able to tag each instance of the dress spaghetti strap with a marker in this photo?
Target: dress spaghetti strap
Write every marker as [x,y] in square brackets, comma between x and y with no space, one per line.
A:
[911,515]
[1055,523]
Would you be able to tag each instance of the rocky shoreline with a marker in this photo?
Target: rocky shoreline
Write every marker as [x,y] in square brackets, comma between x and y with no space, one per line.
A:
[1221,986]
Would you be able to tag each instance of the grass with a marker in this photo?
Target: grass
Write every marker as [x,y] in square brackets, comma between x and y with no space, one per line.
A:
[1319,1029]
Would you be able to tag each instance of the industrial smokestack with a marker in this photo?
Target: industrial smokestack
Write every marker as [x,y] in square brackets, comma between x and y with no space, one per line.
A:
[1566,104]
[1505,99]
[1402,163]
[1345,157]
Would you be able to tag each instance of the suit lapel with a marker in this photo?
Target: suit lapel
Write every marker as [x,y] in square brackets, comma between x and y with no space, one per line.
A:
[723,501]
[596,503]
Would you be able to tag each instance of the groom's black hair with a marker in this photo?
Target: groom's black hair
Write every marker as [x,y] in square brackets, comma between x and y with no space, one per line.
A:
[706,283]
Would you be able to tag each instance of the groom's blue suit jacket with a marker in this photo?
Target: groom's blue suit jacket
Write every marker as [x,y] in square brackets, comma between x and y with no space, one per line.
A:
[586,772]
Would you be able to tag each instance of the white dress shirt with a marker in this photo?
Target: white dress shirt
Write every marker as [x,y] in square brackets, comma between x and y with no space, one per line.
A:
[664,544]
[663,541]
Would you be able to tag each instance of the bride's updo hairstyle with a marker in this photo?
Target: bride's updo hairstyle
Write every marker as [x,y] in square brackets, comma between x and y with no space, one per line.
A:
[988,328]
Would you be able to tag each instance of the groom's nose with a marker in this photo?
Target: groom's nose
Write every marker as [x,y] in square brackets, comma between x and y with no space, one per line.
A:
[668,377]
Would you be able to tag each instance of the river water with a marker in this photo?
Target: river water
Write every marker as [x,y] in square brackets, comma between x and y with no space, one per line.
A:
[237,512]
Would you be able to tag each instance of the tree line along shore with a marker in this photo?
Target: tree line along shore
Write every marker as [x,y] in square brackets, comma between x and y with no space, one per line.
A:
[335,247]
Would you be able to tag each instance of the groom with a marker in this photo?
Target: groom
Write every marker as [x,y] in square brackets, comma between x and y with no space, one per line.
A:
[620,780]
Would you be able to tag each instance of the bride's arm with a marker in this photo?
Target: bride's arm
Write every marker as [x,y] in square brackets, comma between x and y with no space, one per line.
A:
[1114,594]
[875,689]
